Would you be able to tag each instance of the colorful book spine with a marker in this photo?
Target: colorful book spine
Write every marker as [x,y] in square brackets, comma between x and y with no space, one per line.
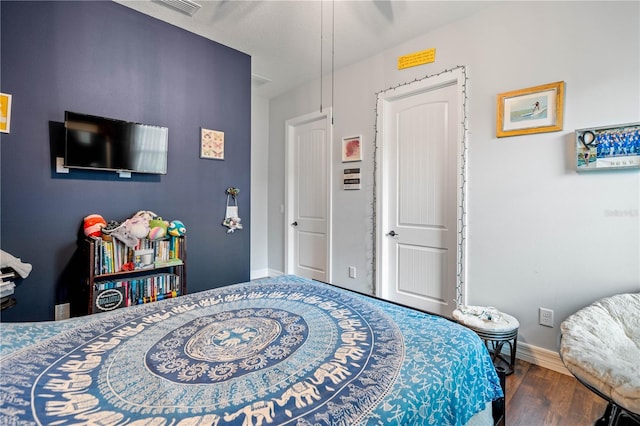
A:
[172,248]
[163,296]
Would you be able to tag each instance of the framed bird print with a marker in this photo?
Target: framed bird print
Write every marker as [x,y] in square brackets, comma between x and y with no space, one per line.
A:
[211,144]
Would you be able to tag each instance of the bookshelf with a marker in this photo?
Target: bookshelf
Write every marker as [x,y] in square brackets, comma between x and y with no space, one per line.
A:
[120,276]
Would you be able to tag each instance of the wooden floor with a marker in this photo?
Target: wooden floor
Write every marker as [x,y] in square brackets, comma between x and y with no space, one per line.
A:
[537,396]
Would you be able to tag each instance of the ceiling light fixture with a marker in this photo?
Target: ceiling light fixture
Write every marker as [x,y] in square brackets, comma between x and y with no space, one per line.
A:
[185,6]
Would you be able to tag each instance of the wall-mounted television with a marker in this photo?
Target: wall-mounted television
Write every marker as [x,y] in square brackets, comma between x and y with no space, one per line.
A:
[101,143]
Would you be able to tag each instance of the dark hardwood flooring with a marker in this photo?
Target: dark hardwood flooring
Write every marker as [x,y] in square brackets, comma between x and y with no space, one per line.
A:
[537,396]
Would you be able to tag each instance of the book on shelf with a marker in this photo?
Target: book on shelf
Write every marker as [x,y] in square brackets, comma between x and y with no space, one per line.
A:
[8,275]
[112,256]
[168,262]
[162,296]
[135,291]
[109,299]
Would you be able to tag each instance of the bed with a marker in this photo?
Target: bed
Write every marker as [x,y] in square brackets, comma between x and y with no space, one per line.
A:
[282,350]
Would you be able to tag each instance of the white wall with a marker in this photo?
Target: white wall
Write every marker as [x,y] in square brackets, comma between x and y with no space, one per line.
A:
[259,191]
[539,234]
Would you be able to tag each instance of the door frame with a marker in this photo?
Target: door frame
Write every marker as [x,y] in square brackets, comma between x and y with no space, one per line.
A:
[289,202]
[458,77]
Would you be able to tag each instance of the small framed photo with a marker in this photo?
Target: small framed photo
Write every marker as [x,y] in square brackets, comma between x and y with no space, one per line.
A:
[534,110]
[608,147]
[211,144]
[352,149]
[5,112]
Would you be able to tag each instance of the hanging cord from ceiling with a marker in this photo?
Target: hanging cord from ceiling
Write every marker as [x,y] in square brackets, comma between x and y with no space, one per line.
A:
[321,37]
[333,53]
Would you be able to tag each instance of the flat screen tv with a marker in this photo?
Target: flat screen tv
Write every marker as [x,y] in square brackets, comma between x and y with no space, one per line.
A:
[102,143]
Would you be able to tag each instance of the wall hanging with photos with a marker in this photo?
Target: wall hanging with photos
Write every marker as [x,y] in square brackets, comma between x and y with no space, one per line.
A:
[608,147]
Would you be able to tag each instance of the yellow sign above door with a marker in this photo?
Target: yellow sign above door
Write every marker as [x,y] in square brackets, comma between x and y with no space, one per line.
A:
[417,58]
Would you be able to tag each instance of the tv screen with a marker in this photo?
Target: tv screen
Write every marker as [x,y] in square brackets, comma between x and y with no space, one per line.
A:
[102,143]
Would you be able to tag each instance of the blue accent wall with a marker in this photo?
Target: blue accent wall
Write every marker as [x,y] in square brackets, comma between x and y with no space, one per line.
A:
[102,58]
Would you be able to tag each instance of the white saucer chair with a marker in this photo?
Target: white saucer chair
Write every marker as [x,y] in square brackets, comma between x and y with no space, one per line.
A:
[600,346]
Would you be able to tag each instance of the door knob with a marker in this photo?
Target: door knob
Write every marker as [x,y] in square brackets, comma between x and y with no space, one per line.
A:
[295,223]
[392,233]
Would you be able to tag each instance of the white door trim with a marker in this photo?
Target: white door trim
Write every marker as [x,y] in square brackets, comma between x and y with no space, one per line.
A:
[458,77]
[290,126]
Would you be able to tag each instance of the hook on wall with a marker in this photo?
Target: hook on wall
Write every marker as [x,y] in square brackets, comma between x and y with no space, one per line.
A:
[232,191]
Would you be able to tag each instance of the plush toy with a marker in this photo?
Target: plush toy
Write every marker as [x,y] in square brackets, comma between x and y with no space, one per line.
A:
[138,225]
[176,228]
[157,228]
[133,229]
[122,233]
[93,225]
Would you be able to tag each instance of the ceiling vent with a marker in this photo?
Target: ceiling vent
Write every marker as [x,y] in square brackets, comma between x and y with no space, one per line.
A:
[185,6]
[258,80]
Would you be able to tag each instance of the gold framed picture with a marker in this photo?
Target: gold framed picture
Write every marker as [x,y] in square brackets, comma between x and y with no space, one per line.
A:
[533,110]
[211,144]
[5,112]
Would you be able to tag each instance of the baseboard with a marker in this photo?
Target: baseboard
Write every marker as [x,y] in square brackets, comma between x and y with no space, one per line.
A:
[264,273]
[259,273]
[274,273]
[541,357]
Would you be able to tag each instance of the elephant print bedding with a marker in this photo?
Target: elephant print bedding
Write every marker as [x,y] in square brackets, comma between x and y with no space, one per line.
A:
[275,351]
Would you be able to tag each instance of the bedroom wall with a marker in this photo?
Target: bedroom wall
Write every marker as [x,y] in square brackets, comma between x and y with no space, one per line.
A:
[259,186]
[539,234]
[106,59]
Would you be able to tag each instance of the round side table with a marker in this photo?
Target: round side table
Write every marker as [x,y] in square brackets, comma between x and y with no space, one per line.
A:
[494,332]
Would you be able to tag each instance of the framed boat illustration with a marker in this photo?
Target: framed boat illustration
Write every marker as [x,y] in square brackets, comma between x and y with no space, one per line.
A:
[533,110]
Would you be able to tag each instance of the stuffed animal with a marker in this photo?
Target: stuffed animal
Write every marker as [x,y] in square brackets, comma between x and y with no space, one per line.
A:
[176,228]
[133,229]
[157,228]
[122,233]
[93,225]
[138,224]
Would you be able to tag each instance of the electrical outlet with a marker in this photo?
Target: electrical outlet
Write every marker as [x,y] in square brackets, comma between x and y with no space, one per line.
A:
[352,271]
[62,311]
[545,317]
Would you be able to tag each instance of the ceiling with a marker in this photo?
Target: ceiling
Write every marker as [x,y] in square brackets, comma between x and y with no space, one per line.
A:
[288,40]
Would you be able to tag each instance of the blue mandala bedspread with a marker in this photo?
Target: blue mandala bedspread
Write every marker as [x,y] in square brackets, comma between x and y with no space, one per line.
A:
[275,351]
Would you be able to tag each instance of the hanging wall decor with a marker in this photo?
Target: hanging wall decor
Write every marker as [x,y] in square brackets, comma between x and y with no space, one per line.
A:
[351,179]
[534,110]
[417,58]
[5,112]
[211,144]
[352,149]
[608,147]
[232,217]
